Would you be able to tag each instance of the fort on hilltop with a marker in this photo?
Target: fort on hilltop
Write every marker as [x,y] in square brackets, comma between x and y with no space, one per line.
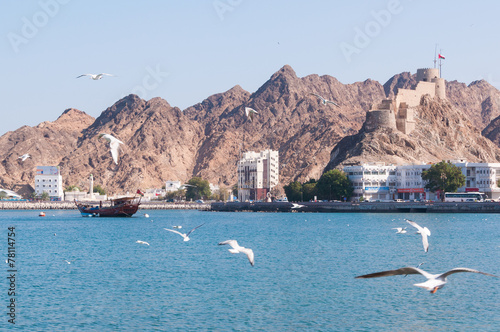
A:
[398,113]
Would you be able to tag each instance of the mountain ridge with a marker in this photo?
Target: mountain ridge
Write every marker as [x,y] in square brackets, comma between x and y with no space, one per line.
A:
[162,142]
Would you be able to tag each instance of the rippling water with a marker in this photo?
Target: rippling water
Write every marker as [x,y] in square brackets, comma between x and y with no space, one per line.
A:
[303,279]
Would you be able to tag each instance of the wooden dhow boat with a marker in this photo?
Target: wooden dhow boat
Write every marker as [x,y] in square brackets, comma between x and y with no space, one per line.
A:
[116,207]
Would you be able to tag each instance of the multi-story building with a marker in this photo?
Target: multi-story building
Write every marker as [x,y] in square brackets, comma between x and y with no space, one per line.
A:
[376,181]
[48,179]
[373,181]
[257,174]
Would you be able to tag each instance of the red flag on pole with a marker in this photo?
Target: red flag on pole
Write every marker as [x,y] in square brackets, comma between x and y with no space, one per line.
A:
[440,56]
[140,192]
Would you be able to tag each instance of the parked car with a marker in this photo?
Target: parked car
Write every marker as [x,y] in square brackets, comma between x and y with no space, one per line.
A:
[199,201]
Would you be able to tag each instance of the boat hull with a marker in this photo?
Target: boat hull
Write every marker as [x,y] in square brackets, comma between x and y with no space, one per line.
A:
[124,209]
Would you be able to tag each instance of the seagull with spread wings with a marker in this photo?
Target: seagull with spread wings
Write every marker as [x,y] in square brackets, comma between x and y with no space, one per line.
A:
[434,281]
[424,231]
[236,248]
[325,101]
[114,145]
[185,236]
[250,113]
[95,77]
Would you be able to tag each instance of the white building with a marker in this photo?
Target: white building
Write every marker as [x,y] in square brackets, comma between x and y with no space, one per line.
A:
[376,181]
[258,173]
[9,194]
[48,179]
[171,186]
[373,181]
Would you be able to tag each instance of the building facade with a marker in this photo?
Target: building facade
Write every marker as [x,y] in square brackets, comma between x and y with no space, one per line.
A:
[258,173]
[171,186]
[48,179]
[377,181]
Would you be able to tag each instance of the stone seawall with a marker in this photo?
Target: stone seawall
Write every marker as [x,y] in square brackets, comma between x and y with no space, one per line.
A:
[21,205]
[375,207]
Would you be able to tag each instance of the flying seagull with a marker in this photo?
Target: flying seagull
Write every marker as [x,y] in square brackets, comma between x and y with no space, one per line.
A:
[69,262]
[24,157]
[185,236]
[237,249]
[95,77]
[297,206]
[142,242]
[434,281]
[424,231]
[179,227]
[400,230]
[250,113]
[325,101]
[114,145]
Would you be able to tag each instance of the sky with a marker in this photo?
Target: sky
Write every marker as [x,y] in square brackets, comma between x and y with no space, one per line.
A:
[186,51]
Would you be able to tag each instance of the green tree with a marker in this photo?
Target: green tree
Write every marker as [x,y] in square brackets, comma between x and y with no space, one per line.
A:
[444,177]
[197,188]
[334,184]
[45,196]
[293,191]
[309,190]
[99,189]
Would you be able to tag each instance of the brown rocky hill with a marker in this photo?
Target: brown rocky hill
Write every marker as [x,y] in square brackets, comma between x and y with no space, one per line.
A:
[47,144]
[289,119]
[442,133]
[159,143]
[162,142]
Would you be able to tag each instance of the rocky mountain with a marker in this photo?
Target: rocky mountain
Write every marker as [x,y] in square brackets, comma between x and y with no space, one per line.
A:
[47,144]
[159,143]
[162,142]
[442,133]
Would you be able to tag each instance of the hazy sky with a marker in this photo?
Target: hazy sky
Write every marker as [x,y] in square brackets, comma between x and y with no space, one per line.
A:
[185,51]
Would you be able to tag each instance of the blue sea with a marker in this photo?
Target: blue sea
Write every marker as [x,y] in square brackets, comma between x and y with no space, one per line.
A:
[303,278]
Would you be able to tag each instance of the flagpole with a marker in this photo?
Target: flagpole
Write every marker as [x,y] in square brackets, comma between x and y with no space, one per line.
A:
[440,73]
[435,51]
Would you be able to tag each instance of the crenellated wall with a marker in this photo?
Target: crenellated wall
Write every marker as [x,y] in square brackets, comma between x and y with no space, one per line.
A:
[399,114]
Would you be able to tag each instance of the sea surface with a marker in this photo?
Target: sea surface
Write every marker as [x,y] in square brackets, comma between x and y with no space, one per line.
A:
[303,278]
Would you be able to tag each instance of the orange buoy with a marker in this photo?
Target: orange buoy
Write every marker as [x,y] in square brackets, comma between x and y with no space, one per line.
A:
[42,214]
